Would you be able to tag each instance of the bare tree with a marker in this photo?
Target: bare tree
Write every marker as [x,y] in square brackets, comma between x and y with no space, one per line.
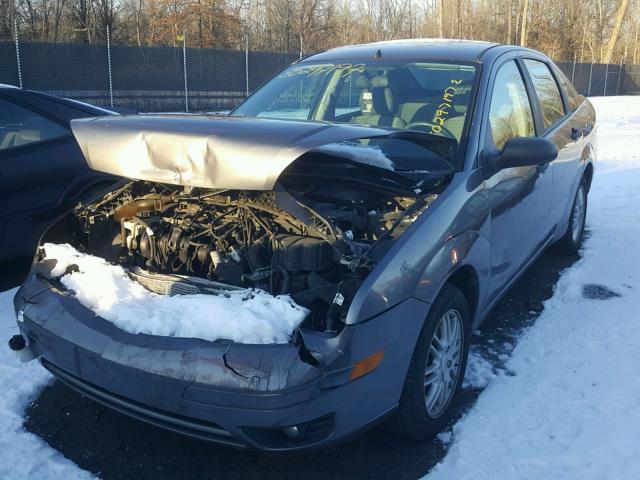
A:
[81,19]
[588,30]
[616,31]
[523,28]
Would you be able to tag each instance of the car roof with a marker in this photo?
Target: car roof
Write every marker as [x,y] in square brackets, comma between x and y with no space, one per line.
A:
[419,48]
[43,101]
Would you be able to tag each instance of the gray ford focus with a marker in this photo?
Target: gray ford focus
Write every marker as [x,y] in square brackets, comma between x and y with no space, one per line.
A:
[313,264]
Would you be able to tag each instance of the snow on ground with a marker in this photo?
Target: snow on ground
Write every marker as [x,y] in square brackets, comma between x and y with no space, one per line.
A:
[571,408]
[480,371]
[22,454]
[244,316]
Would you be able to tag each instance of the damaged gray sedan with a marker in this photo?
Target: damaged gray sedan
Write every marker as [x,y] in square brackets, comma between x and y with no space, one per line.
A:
[313,264]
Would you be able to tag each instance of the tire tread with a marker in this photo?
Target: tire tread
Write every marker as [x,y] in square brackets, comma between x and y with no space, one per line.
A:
[566,245]
[411,420]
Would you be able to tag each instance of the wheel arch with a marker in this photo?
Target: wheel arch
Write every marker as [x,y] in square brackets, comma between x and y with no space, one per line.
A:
[588,175]
[466,279]
[462,261]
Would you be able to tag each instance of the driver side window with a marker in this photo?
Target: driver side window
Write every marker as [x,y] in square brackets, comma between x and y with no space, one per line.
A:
[510,114]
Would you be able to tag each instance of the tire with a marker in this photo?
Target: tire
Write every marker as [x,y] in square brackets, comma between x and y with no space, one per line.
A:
[414,419]
[570,243]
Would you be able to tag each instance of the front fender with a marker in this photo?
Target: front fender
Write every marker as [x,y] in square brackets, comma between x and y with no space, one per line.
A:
[420,260]
[467,250]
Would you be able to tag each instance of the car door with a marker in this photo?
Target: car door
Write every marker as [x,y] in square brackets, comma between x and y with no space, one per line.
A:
[558,126]
[519,198]
[38,159]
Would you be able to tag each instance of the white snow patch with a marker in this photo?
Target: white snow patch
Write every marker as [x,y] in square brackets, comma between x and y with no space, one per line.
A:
[23,455]
[245,316]
[571,408]
[367,154]
[479,371]
[445,437]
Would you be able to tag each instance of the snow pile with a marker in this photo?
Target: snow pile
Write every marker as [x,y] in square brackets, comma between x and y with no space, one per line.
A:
[24,455]
[445,437]
[246,316]
[366,154]
[479,371]
[571,409]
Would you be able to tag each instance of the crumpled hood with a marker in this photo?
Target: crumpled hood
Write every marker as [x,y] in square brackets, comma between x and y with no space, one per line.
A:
[205,151]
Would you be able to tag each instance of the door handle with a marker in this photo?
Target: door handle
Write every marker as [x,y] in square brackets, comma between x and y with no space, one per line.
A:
[576,134]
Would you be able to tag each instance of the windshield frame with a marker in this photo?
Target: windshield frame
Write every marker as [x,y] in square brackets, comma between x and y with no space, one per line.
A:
[462,145]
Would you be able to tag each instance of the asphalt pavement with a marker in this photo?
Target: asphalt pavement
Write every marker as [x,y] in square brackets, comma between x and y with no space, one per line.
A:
[114,446]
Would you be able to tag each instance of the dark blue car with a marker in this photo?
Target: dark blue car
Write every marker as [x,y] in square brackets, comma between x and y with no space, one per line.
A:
[42,170]
[395,190]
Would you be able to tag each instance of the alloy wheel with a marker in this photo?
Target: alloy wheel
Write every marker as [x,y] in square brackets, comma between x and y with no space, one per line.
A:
[578,216]
[443,363]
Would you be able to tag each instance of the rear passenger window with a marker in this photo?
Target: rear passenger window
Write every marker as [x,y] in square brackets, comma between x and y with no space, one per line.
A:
[20,126]
[510,113]
[572,96]
[547,90]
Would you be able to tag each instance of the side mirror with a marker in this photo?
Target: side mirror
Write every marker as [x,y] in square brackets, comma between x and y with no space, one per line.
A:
[521,152]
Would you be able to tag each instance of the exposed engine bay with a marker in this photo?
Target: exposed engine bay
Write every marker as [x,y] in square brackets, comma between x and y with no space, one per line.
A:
[312,240]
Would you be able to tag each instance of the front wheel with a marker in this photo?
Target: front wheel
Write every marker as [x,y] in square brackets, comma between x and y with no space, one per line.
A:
[570,243]
[437,368]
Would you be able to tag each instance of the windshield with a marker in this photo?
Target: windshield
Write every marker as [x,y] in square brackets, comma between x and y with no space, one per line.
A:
[424,96]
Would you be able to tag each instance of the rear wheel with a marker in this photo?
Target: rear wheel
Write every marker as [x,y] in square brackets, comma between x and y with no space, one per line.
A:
[437,368]
[570,243]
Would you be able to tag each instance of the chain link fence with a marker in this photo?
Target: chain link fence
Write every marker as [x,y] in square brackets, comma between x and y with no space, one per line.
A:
[166,79]
[598,79]
[147,79]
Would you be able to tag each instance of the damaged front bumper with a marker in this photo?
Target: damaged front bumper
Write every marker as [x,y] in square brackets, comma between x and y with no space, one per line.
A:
[278,397]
